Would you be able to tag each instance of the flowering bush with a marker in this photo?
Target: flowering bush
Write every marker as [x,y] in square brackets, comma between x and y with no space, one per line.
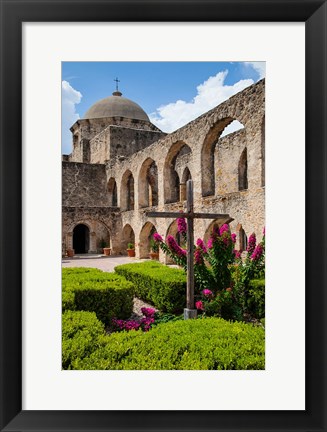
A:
[221,277]
[143,324]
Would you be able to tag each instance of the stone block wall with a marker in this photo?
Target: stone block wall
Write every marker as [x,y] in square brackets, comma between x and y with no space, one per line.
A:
[84,185]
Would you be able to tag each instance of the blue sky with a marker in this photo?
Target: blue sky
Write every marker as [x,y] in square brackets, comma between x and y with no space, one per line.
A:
[171,93]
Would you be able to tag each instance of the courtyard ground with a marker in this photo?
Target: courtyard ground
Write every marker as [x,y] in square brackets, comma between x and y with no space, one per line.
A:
[98,261]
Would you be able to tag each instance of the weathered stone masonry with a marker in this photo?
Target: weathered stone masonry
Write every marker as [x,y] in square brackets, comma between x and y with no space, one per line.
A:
[120,168]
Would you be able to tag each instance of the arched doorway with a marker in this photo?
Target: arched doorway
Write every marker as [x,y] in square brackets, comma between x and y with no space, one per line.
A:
[81,239]
[145,239]
[128,236]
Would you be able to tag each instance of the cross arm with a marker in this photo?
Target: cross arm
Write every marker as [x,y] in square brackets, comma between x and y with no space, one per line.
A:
[225,218]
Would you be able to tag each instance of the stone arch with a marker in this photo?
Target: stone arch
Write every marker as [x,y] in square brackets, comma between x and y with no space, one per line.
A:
[171,177]
[208,155]
[148,184]
[209,230]
[242,239]
[173,231]
[128,236]
[185,177]
[127,191]
[263,151]
[112,190]
[146,234]
[243,171]
[81,238]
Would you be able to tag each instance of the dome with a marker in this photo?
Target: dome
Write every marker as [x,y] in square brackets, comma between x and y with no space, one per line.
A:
[116,106]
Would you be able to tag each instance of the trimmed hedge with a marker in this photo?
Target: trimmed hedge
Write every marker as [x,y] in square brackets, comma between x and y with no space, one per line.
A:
[81,332]
[109,295]
[256,298]
[202,344]
[158,284]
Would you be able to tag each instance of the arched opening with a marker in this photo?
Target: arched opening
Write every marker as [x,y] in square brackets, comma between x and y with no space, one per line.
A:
[263,152]
[81,239]
[112,190]
[128,236]
[242,240]
[145,239]
[127,191]
[148,184]
[185,177]
[208,152]
[243,171]
[173,231]
[177,156]
[213,225]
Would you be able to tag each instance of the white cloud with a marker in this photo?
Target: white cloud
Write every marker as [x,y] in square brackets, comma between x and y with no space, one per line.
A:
[259,67]
[69,98]
[209,94]
[232,127]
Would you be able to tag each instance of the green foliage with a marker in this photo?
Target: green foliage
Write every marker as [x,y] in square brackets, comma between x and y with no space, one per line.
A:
[109,295]
[130,246]
[256,298]
[162,286]
[154,246]
[202,344]
[81,332]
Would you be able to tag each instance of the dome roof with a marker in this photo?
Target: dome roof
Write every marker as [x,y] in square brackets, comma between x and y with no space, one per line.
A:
[116,106]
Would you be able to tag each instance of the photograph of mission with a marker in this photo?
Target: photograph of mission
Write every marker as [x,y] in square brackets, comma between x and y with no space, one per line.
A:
[163,215]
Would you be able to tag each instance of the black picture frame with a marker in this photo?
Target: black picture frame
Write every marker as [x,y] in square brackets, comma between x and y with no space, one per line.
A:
[13,14]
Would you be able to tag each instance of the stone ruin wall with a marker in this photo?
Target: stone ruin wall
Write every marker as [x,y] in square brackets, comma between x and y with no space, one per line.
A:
[247,207]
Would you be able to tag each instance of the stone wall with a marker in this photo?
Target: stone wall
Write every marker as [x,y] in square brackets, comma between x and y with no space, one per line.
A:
[84,185]
[215,164]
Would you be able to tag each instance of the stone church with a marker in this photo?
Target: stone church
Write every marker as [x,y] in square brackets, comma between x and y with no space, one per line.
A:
[123,166]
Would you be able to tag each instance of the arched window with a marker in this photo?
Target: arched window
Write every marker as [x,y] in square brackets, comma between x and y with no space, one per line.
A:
[174,159]
[127,191]
[220,128]
[185,177]
[148,184]
[243,171]
[112,190]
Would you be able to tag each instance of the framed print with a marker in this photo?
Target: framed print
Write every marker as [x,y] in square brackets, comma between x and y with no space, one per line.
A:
[38,38]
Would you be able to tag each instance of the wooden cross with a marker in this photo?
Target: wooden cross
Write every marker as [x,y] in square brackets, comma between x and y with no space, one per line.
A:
[189,215]
[117,81]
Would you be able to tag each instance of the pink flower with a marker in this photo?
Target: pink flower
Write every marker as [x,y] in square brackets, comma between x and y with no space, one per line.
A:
[148,312]
[224,228]
[198,256]
[251,243]
[174,247]
[207,292]
[199,305]
[210,243]
[181,225]
[257,253]
[237,253]
[201,245]
[157,237]
[233,238]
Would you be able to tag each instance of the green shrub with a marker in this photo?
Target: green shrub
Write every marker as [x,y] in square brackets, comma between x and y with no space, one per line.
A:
[109,295]
[81,333]
[202,344]
[256,298]
[160,285]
